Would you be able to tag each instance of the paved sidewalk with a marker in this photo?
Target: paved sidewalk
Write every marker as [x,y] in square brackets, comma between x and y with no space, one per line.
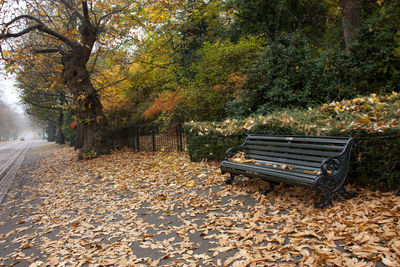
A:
[10,168]
[15,207]
[160,209]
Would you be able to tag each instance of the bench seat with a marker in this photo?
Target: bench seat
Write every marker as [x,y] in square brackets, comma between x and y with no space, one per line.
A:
[320,163]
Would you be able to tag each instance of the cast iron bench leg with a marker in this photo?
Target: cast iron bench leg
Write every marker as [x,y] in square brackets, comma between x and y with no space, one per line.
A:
[230,179]
[324,201]
[347,195]
[270,188]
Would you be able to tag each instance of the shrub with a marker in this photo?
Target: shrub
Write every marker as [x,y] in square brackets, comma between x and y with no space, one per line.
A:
[375,58]
[292,73]
[218,77]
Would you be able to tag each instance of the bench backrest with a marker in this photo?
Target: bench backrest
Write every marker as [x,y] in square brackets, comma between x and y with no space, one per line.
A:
[305,151]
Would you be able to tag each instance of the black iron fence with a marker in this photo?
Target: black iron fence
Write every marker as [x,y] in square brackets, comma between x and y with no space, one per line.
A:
[149,138]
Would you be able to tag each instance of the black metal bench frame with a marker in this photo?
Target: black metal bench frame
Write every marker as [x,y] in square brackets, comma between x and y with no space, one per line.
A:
[321,163]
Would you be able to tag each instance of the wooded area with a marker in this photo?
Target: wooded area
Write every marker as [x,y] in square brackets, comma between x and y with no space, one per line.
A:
[96,64]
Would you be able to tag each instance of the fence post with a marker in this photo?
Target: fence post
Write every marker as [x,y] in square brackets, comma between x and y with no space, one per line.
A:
[153,137]
[132,138]
[177,137]
[125,137]
[180,137]
[137,138]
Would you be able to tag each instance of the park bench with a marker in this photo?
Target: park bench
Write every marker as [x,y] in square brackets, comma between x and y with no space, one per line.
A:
[321,163]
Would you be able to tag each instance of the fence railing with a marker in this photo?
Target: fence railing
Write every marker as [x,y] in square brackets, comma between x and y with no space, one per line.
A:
[149,138]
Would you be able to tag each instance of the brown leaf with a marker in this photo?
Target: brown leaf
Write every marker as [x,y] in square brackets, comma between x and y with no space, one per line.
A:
[26,246]
[221,249]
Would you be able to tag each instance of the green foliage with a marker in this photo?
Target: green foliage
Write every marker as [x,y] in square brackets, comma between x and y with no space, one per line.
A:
[375,57]
[205,96]
[376,159]
[210,147]
[292,73]
[199,22]
[221,58]
[273,18]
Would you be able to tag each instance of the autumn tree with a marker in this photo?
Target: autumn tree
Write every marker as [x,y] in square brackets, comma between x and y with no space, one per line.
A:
[70,29]
[9,127]
[44,98]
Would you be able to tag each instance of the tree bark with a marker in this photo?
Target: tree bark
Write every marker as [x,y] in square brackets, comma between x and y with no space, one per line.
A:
[350,20]
[78,136]
[88,107]
[89,110]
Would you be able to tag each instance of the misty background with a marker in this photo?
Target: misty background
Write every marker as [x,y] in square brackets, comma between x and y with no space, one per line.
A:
[15,124]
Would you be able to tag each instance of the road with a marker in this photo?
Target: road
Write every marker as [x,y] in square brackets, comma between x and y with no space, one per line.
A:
[12,155]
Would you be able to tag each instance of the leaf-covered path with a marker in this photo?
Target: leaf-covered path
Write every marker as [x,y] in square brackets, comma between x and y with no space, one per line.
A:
[156,209]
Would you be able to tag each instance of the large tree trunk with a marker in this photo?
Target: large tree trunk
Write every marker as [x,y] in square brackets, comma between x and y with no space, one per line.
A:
[79,136]
[350,20]
[88,107]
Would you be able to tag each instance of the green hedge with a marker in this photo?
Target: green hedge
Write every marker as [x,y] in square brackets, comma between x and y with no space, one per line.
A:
[210,147]
[375,160]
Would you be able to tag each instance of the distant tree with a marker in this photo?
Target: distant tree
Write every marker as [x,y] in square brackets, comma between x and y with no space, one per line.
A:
[43,93]
[9,127]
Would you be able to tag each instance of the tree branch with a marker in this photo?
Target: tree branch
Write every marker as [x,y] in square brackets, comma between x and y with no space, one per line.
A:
[112,84]
[23,17]
[18,34]
[39,26]
[41,106]
[73,10]
[115,11]
[85,9]
[60,37]
[47,51]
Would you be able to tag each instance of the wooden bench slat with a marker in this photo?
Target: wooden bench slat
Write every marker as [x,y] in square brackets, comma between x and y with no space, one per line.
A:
[301,166]
[288,156]
[332,140]
[297,172]
[296,145]
[275,173]
[297,163]
[292,150]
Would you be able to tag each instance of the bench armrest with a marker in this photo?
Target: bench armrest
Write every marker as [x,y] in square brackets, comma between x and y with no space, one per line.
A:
[334,171]
[232,151]
[333,164]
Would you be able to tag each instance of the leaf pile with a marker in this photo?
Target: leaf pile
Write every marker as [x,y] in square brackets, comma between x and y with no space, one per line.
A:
[153,209]
[373,114]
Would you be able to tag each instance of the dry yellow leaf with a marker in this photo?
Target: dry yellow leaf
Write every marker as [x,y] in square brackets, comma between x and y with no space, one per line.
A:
[26,246]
